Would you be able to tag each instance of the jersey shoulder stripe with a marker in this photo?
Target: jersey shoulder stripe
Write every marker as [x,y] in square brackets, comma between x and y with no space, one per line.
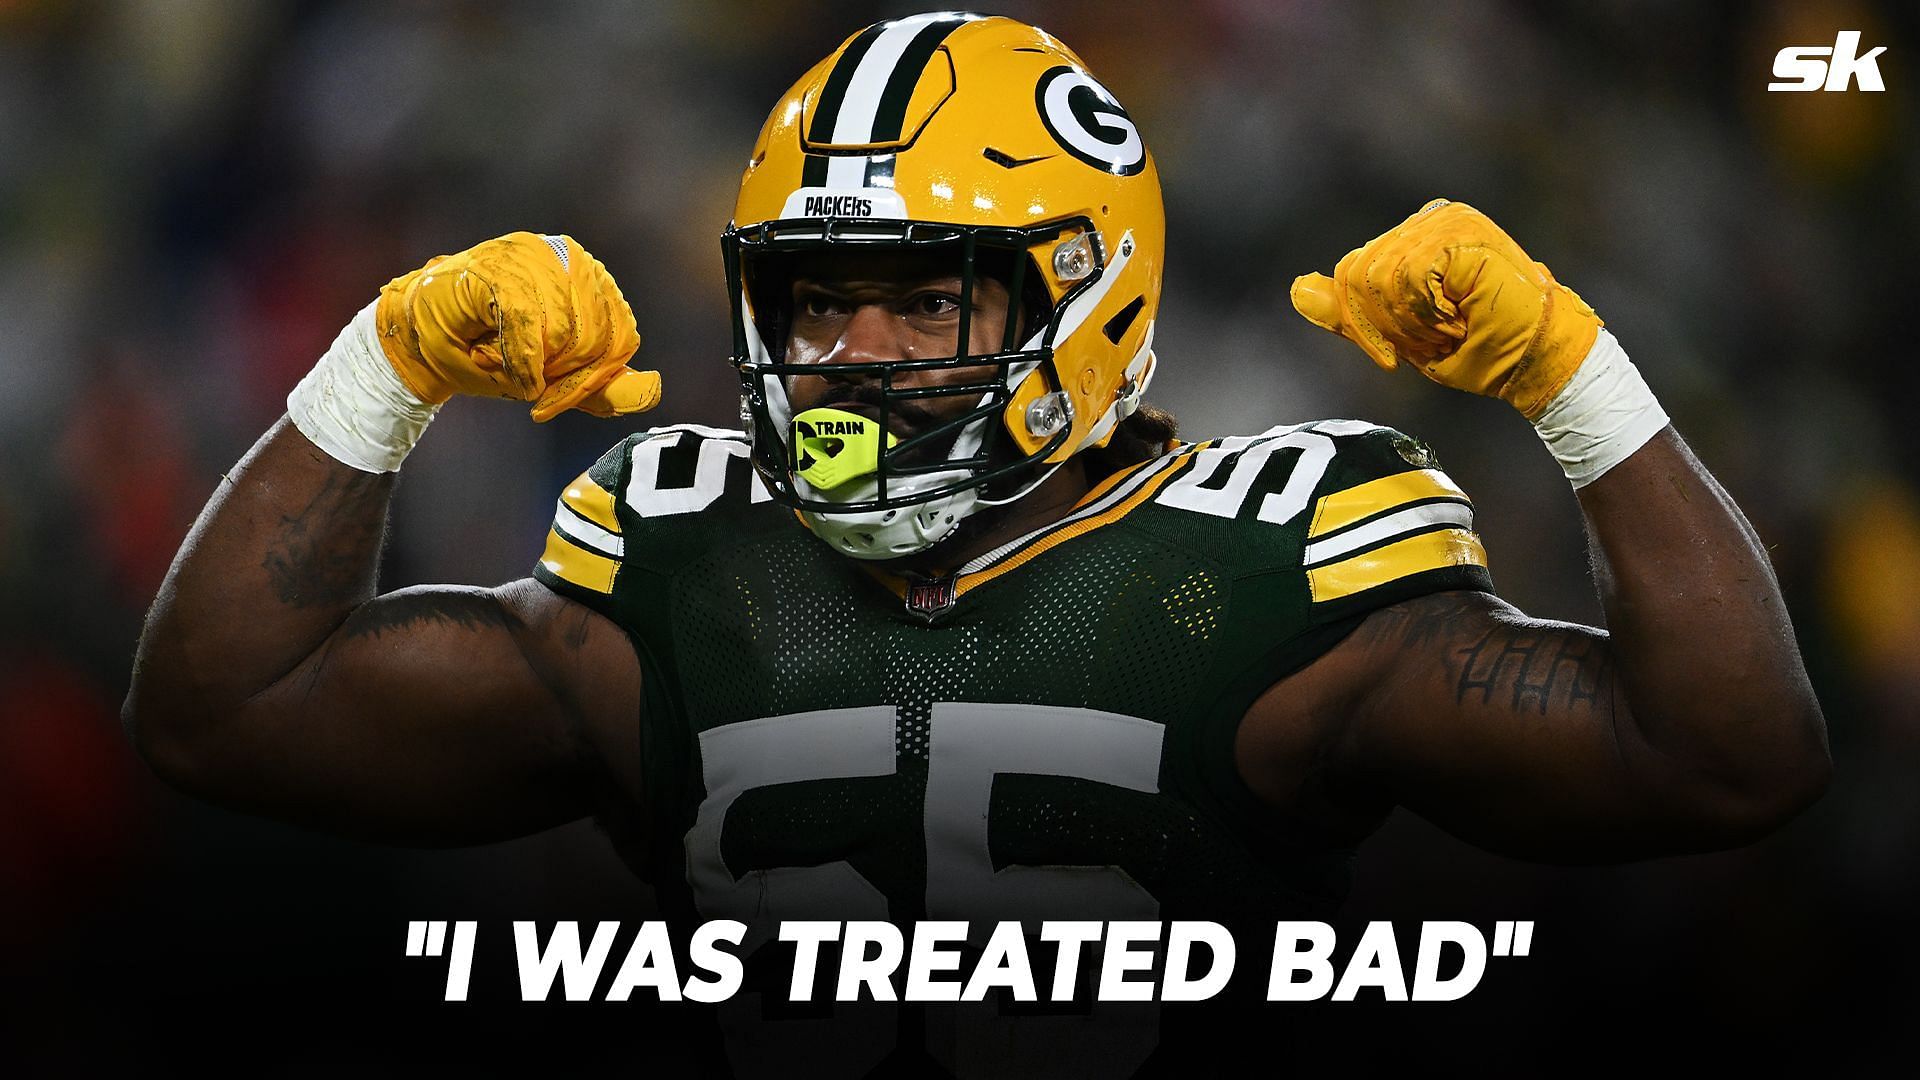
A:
[584,545]
[570,562]
[1388,523]
[1403,517]
[586,502]
[1361,511]
[608,513]
[1439,550]
[1337,511]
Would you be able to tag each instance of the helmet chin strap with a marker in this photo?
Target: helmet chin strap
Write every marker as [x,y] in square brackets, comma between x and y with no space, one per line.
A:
[779,409]
[1139,373]
[1026,489]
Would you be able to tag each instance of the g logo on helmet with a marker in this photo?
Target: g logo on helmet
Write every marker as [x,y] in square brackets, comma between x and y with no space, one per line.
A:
[1088,122]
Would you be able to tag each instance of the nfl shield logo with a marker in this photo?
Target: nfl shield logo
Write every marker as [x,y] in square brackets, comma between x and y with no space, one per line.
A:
[929,597]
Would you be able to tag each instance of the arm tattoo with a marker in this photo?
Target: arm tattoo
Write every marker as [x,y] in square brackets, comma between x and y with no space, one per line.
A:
[325,553]
[1489,660]
[467,609]
[1522,668]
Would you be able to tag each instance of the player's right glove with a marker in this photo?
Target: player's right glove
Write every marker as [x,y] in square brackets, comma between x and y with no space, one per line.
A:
[528,317]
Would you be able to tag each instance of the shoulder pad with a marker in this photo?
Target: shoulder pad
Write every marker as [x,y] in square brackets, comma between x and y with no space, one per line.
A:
[1385,517]
[658,473]
[1356,505]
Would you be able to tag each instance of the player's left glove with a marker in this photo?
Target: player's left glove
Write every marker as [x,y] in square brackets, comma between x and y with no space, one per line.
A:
[1449,292]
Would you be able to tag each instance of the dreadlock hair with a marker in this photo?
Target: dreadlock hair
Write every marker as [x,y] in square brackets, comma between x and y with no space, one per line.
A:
[1147,434]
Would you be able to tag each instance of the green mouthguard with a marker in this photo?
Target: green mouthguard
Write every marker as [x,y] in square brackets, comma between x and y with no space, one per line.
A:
[833,446]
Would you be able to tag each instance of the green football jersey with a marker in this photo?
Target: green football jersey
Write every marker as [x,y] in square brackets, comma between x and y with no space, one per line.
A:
[970,747]
[1048,733]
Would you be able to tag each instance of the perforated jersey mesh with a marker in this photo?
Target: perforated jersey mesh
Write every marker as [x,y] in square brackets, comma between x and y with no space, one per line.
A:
[1115,620]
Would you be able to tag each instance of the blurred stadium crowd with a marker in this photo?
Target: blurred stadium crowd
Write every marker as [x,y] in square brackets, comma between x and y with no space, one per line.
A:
[196,194]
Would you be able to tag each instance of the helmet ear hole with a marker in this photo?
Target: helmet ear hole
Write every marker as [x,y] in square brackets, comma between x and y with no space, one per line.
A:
[1118,326]
[1036,306]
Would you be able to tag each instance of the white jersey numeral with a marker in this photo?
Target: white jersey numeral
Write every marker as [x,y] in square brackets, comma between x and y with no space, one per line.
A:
[649,499]
[1246,456]
[735,759]
[969,744]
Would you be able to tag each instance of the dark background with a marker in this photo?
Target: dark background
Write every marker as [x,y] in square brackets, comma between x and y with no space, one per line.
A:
[195,196]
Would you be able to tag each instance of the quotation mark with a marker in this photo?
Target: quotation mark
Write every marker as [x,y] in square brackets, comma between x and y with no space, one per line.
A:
[1512,938]
[430,939]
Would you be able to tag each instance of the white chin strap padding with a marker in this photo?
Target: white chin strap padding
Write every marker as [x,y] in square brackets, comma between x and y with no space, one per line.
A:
[905,530]
[890,534]
[779,410]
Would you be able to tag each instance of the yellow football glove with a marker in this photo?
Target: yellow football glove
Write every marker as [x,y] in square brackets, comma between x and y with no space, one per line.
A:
[523,316]
[1450,293]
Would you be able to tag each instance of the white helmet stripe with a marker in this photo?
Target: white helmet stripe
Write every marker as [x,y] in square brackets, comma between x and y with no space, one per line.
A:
[858,109]
[1077,311]
[1082,306]
[847,172]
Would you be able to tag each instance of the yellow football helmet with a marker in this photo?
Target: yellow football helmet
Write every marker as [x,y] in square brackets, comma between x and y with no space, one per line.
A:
[983,137]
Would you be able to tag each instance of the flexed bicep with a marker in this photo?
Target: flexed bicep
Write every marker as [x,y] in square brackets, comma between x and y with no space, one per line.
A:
[446,714]
[272,679]
[1519,735]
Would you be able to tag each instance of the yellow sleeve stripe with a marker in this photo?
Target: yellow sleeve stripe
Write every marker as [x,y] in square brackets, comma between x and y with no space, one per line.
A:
[593,502]
[1343,508]
[1427,551]
[570,562]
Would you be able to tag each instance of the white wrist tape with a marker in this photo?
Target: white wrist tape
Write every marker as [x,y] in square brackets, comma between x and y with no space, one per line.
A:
[353,404]
[1604,414]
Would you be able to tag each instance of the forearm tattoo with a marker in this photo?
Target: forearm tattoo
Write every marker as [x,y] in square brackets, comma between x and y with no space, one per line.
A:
[326,553]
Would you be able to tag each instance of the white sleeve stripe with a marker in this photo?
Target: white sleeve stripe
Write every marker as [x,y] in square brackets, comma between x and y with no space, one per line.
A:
[578,529]
[1411,520]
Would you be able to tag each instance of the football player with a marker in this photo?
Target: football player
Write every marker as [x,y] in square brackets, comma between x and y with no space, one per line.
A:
[955,627]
